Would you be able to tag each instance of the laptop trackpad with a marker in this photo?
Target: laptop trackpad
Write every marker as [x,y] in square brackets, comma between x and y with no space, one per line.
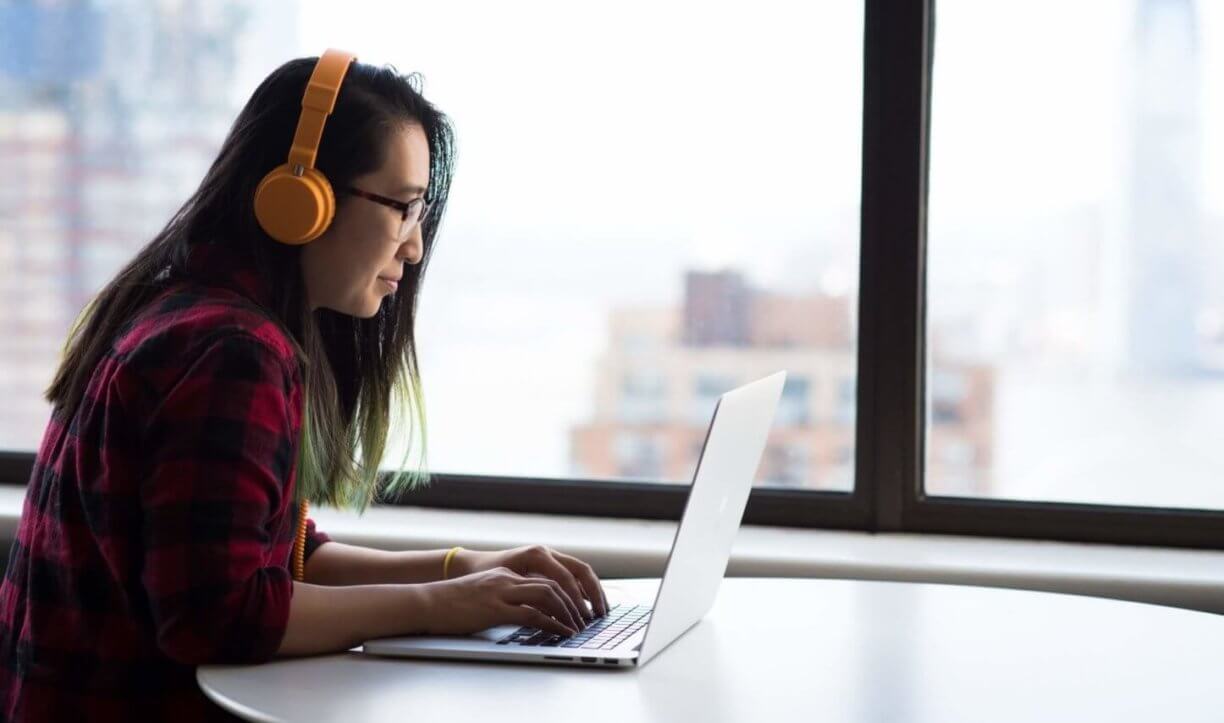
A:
[495,633]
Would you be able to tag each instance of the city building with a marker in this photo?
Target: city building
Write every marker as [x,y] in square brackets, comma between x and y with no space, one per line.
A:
[664,369]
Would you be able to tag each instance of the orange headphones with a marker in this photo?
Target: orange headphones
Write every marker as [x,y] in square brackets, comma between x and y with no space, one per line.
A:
[294,203]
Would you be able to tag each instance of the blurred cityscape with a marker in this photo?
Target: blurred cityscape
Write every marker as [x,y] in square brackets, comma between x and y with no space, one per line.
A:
[1074,352]
[110,112]
[665,368]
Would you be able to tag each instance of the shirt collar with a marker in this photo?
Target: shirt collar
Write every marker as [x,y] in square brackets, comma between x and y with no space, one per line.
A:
[219,265]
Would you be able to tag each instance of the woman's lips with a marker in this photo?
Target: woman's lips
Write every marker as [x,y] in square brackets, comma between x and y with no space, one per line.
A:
[393,284]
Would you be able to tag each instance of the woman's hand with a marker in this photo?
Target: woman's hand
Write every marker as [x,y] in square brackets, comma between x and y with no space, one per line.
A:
[575,578]
[498,596]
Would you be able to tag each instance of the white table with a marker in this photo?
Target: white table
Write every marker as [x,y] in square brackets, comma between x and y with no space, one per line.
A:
[800,650]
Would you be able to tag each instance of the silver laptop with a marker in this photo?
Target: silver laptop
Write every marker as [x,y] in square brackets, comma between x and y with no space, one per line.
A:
[634,631]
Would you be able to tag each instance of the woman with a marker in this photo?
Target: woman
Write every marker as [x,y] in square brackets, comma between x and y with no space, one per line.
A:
[226,377]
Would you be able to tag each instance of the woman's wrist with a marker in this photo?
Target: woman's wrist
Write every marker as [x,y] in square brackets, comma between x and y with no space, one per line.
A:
[463,563]
[448,562]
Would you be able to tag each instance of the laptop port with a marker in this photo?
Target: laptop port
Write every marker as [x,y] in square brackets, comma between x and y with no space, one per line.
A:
[590,660]
[556,657]
[611,661]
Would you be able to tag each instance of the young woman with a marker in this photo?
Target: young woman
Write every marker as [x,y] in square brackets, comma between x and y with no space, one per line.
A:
[220,382]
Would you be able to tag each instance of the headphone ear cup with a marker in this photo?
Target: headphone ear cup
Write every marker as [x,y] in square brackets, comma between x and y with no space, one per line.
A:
[294,210]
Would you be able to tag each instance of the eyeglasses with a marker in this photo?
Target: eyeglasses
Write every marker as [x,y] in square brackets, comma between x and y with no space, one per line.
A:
[416,210]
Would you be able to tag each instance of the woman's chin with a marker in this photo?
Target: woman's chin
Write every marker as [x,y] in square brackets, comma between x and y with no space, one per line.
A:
[363,307]
[366,310]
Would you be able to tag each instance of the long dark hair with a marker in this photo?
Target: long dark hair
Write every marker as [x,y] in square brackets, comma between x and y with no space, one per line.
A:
[357,371]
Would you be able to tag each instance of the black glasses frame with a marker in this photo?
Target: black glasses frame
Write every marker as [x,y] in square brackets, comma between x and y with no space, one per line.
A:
[404,208]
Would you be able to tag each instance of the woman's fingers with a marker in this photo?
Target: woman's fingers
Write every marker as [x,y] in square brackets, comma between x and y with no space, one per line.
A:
[586,577]
[562,576]
[547,596]
[526,615]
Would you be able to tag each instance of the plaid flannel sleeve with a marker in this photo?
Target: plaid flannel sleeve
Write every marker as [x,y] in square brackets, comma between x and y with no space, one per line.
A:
[314,538]
[221,443]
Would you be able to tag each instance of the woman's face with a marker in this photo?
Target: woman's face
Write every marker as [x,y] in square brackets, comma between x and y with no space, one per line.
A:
[343,266]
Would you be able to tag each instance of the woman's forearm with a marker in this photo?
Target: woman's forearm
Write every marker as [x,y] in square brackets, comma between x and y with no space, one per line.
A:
[325,619]
[335,563]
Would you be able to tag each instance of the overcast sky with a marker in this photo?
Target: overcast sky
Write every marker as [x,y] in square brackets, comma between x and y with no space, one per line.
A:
[645,81]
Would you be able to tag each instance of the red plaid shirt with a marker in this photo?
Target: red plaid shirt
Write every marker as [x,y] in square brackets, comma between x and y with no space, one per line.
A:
[159,520]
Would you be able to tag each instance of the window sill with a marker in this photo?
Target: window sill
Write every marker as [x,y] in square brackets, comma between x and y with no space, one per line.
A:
[638,548]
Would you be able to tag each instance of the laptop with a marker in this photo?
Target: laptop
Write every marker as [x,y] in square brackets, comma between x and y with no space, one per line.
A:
[635,631]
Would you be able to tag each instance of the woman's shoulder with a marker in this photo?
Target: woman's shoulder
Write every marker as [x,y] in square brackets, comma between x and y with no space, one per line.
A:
[186,318]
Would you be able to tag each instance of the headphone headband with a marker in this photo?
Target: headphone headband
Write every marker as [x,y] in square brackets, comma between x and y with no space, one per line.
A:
[318,102]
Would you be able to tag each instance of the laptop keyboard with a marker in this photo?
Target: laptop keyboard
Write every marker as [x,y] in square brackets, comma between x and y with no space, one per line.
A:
[603,633]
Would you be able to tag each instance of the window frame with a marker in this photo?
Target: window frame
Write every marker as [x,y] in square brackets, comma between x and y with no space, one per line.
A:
[890,386]
[897,72]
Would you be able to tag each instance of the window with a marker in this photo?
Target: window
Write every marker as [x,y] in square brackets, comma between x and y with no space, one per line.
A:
[1076,270]
[990,271]
[657,253]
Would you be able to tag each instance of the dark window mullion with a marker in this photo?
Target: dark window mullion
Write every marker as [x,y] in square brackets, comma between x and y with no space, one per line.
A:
[895,73]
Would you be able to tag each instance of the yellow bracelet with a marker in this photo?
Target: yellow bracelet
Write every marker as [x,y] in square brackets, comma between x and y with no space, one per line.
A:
[447,561]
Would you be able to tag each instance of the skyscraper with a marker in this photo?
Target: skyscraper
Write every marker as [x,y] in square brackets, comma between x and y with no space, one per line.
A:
[1163,254]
